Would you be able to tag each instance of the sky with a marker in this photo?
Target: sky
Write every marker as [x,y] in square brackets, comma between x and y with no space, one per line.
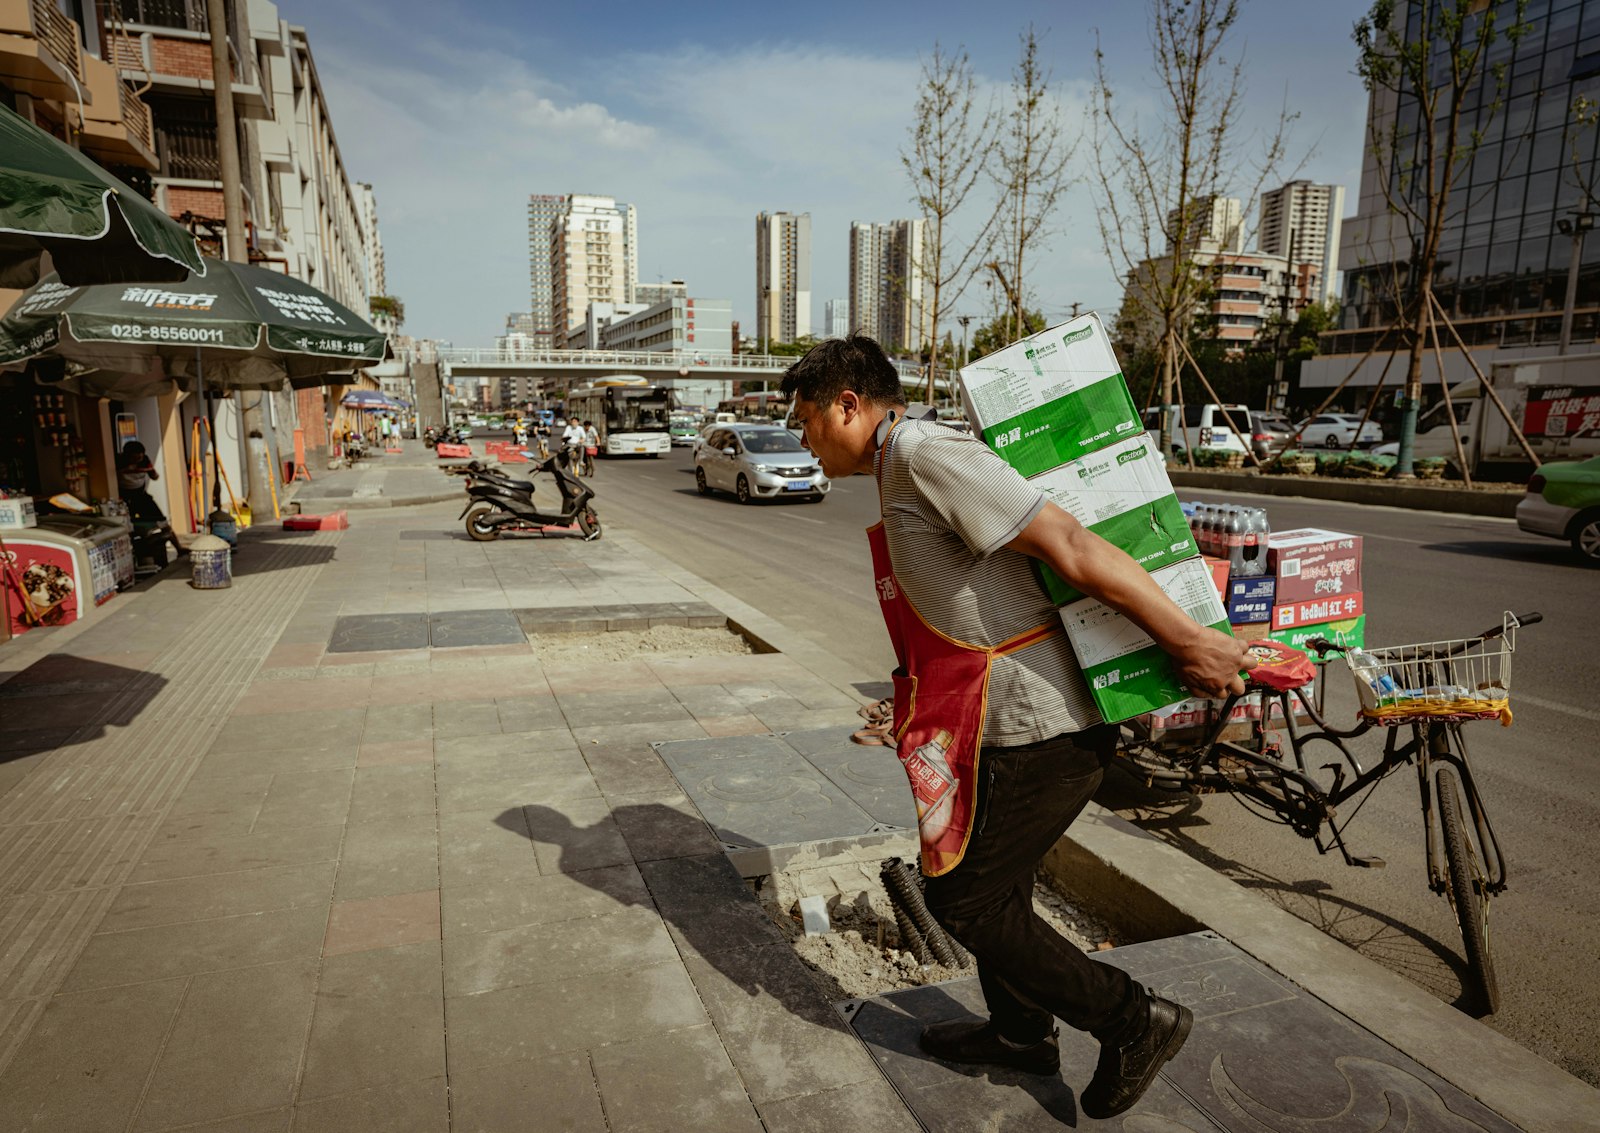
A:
[704,114]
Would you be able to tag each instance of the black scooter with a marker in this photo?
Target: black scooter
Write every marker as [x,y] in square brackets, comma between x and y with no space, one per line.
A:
[497,504]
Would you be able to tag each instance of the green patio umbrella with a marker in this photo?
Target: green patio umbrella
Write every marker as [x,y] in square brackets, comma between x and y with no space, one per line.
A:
[240,327]
[96,229]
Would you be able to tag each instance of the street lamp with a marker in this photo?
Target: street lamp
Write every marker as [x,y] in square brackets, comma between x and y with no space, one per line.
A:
[1578,227]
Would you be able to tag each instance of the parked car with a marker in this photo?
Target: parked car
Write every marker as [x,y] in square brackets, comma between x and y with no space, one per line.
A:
[757,462]
[1563,502]
[1337,430]
[1269,432]
[1203,426]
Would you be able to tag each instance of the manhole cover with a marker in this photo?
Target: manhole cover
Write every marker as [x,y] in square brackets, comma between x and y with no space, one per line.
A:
[367,633]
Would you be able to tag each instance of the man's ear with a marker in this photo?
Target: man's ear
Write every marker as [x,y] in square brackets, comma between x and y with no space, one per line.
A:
[849,404]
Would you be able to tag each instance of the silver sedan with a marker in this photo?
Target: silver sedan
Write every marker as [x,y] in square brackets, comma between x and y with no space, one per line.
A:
[757,462]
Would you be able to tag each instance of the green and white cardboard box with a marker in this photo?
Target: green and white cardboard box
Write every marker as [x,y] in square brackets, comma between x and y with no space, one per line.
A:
[1122,494]
[1051,397]
[1348,632]
[1128,673]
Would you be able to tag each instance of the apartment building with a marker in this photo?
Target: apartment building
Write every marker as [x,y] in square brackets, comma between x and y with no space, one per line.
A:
[140,74]
[1215,222]
[836,318]
[887,284]
[543,209]
[783,276]
[652,293]
[1237,292]
[588,334]
[696,326]
[1302,220]
[593,242]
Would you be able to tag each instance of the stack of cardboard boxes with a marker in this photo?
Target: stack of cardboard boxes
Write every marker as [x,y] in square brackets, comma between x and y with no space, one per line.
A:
[1316,577]
[1056,407]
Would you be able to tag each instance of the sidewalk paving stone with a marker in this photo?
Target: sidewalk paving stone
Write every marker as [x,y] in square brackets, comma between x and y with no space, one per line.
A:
[161,952]
[210,896]
[365,923]
[555,950]
[379,1019]
[551,1093]
[234,1046]
[395,1107]
[679,1081]
[392,855]
[554,897]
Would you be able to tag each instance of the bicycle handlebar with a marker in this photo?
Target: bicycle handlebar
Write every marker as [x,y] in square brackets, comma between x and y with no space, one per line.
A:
[1322,646]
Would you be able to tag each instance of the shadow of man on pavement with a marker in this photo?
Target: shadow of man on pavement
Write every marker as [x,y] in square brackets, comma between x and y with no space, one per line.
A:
[708,908]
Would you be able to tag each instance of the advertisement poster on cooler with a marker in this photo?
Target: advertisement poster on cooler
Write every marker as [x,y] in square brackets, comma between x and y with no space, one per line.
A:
[49,576]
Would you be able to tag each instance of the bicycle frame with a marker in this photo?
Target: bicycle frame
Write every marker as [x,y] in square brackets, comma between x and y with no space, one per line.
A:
[1259,772]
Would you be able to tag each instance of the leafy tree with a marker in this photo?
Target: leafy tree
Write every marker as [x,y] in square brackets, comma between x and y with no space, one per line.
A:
[1156,185]
[1435,63]
[998,331]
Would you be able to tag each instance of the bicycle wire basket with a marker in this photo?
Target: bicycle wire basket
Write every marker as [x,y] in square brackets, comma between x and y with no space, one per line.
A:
[1459,679]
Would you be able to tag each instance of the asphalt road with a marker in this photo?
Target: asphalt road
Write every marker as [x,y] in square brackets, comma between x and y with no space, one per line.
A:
[1427,576]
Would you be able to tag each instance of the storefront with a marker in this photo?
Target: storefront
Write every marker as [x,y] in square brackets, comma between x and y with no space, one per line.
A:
[68,540]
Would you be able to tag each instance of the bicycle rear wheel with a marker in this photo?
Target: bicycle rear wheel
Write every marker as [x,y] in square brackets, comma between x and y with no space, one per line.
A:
[1468,894]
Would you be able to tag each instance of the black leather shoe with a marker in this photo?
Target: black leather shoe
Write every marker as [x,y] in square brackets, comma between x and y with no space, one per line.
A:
[1128,1066]
[975,1040]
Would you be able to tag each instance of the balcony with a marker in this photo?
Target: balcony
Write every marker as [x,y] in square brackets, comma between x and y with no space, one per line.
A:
[39,51]
[117,129]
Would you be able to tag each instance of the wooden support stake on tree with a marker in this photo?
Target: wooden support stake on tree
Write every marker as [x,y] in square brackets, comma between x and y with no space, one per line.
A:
[1249,452]
[1516,430]
[1450,410]
[1338,389]
[1372,402]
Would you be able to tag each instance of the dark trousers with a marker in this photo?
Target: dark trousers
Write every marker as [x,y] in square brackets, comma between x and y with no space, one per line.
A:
[1027,797]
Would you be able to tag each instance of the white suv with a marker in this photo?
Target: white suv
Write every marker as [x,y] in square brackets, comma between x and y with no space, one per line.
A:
[1203,426]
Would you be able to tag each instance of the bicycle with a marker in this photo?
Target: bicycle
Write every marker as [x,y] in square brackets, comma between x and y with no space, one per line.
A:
[1429,690]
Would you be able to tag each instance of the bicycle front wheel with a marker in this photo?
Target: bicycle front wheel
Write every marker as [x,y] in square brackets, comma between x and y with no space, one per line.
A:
[1468,894]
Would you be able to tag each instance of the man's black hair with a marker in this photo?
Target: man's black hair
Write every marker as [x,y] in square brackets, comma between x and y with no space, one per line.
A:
[830,367]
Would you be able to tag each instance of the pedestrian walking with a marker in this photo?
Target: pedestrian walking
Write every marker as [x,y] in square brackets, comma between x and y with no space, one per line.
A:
[1001,743]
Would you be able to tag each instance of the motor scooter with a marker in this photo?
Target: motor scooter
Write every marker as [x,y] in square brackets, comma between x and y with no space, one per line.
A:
[430,436]
[497,504]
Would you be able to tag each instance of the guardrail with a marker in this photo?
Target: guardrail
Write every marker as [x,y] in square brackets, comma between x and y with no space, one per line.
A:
[653,360]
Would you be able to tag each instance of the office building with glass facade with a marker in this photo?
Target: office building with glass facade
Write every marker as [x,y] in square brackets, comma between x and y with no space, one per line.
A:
[1506,249]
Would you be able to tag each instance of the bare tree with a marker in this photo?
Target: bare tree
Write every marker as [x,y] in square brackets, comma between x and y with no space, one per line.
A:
[1435,82]
[950,140]
[1156,185]
[1032,153]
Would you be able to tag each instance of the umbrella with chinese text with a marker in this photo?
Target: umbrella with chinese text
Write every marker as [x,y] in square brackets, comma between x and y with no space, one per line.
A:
[96,229]
[240,327]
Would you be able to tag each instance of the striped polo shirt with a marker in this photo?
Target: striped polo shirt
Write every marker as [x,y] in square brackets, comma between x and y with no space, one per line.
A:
[950,506]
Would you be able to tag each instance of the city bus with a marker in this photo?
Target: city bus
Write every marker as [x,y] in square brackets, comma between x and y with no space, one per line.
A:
[631,415]
[769,406]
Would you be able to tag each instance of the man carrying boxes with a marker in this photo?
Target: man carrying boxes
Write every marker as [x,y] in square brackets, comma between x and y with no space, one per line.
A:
[1000,733]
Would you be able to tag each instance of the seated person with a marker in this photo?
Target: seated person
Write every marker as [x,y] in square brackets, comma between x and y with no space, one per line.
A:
[134,473]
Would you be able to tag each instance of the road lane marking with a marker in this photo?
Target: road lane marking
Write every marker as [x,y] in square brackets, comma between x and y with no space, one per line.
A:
[808,519]
[1552,705]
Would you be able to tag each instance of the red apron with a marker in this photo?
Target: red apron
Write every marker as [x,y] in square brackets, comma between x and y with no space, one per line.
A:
[941,692]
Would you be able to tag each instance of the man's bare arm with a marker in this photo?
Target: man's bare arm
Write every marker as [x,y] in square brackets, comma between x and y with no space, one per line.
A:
[1208,662]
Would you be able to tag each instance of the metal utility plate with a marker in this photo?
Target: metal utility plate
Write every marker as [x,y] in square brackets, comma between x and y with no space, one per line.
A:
[475,627]
[369,633]
[814,794]
[1263,1055]
[618,616]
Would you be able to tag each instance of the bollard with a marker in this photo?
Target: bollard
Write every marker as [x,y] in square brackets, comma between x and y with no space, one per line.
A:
[210,558]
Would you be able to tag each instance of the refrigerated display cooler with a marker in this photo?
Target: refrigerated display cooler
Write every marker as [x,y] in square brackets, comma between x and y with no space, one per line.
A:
[69,565]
